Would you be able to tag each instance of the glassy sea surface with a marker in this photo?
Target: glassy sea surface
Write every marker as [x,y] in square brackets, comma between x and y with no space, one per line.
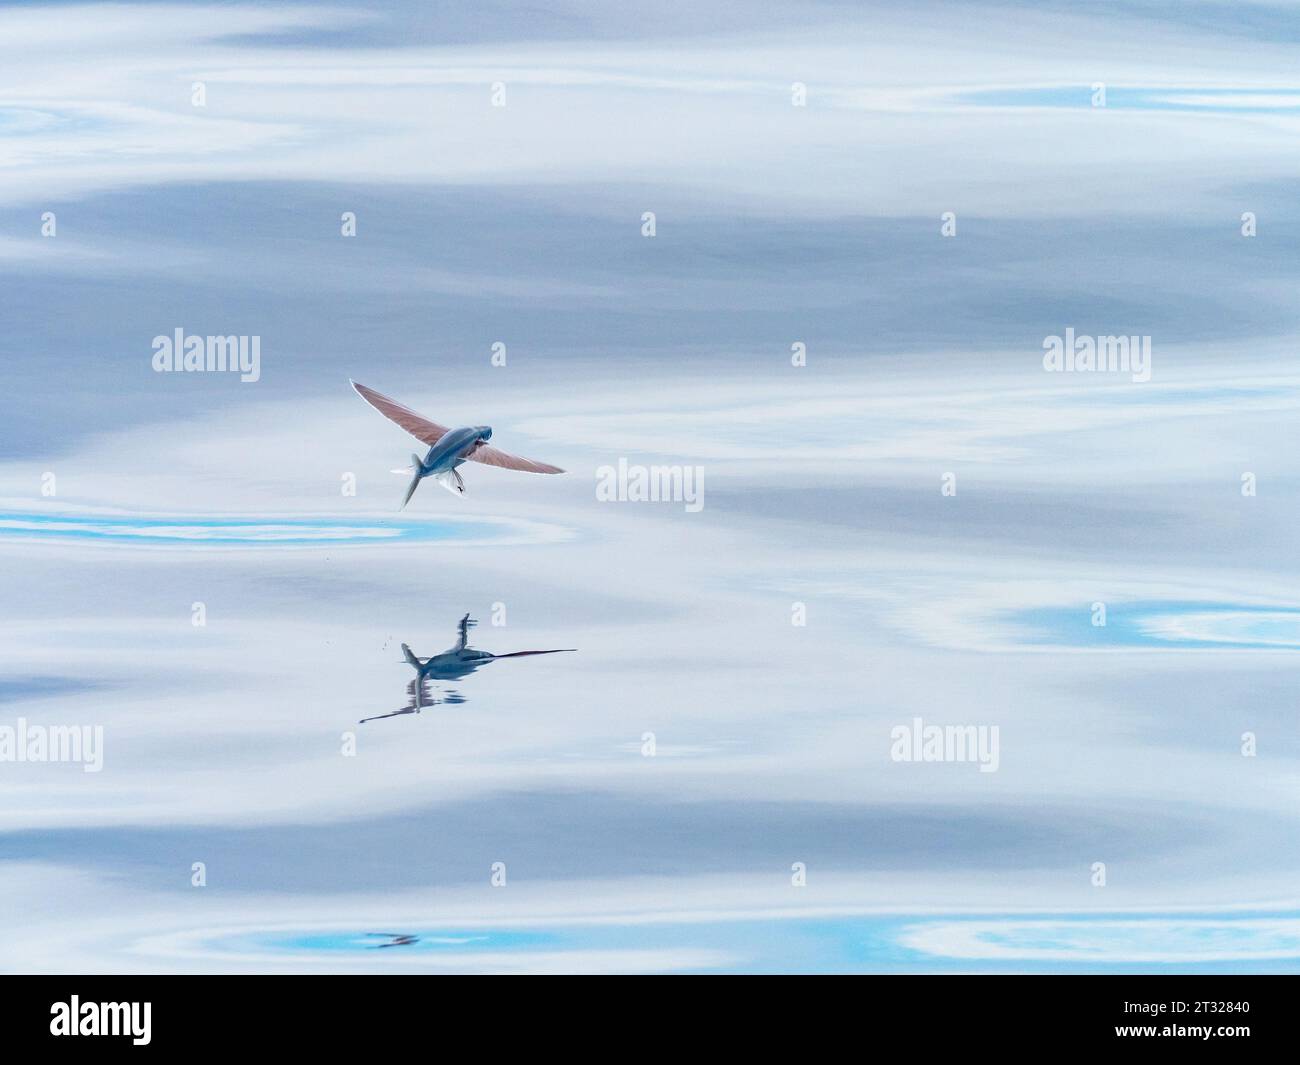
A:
[935,658]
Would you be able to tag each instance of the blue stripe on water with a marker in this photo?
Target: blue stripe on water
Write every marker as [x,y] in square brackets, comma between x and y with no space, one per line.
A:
[1145,98]
[257,532]
[1162,623]
[853,942]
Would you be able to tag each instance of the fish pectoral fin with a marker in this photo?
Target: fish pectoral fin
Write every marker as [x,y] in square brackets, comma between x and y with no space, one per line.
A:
[452,481]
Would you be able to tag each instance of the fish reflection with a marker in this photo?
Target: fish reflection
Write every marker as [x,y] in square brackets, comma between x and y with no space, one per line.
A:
[418,697]
[455,663]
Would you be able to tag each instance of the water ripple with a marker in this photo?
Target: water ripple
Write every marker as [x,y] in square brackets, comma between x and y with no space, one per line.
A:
[267,532]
